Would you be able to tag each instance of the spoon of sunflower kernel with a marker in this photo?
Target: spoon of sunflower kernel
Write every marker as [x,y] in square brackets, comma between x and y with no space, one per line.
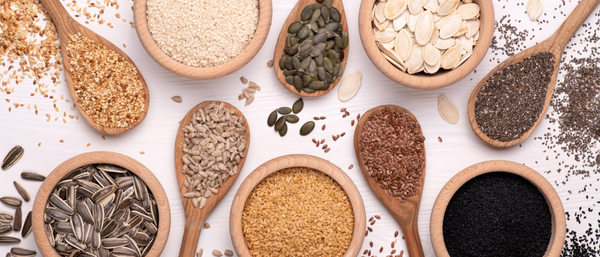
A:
[511,101]
[389,146]
[105,84]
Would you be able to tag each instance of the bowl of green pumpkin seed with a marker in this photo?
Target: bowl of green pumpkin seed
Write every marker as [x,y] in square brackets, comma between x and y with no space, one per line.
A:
[101,204]
[312,48]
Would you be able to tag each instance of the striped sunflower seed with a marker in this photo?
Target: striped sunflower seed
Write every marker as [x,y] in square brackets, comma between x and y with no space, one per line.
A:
[50,234]
[12,157]
[6,217]
[17,222]
[77,226]
[8,240]
[60,204]
[5,229]
[11,201]
[57,214]
[32,175]
[27,226]
[72,241]
[111,243]
[22,191]
[22,252]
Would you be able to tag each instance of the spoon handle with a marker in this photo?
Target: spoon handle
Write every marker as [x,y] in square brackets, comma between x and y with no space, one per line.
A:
[572,24]
[412,239]
[191,234]
[61,18]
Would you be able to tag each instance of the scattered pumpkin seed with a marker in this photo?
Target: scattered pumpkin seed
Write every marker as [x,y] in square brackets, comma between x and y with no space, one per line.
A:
[307,128]
[298,106]
[283,130]
[292,118]
[447,110]
[272,118]
[280,122]
[284,110]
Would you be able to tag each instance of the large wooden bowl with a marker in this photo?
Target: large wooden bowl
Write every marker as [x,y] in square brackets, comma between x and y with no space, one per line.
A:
[41,199]
[420,80]
[552,199]
[288,161]
[262,30]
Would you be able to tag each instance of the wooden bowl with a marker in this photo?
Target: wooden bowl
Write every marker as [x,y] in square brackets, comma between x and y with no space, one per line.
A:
[260,35]
[288,161]
[281,44]
[41,199]
[552,199]
[421,80]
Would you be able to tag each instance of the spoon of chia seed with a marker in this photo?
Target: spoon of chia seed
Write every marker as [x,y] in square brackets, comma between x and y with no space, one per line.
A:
[510,102]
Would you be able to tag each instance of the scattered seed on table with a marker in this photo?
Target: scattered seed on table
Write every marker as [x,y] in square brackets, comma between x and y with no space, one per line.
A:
[343,110]
[200,252]
[244,80]
[440,139]
[323,117]
[381,249]
[12,157]
[322,140]
[177,99]
[352,123]
[270,64]
[351,166]
[206,225]
[316,118]
[323,127]
[327,150]
[324,146]
[24,194]
[227,251]
[396,234]
[343,134]
[217,253]
[371,244]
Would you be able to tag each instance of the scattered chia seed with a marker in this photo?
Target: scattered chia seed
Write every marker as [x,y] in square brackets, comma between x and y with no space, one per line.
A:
[510,102]
[497,214]
[514,40]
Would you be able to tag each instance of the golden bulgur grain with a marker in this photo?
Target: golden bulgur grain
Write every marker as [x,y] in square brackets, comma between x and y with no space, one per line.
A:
[298,211]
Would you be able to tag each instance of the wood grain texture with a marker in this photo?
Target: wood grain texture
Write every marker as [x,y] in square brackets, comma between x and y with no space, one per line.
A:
[66,26]
[441,202]
[555,45]
[281,44]
[407,213]
[440,79]
[47,187]
[143,32]
[194,217]
[288,161]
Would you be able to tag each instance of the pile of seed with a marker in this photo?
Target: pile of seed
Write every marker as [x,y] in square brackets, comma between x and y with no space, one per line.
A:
[101,210]
[280,124]
[497,214]
[213,146]
[202,33]
[392,147]
[107,86]
[510,102]
[298,210]
[314,48]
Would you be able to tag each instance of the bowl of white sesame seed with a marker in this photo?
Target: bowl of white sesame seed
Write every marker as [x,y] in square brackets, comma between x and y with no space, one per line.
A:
[202,39]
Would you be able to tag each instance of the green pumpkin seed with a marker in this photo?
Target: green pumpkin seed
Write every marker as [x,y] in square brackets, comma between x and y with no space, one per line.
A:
[344,40]
[340,72]
[316,85]
[295,27]
[314,26]
[296,63]
[338,41]
[336,69]
[320,37]
[298,105]
[312,68]
[333,26]
[283,130]
[319,60]
[321,73]
[320,1]
[307,128]
[305,63]
[330,44]
[280,122]
[325,86]
[307,12]
[328,3]
[289,80]
[272,118]
[321,22]
[284,110]
[289,73]
[292,50]
[317,50]
[288,64]
[297,83]
[306,80]
[294,41]
[304,51]
[282,61]
[303,33]
[308,90]
[292,118]
[325,13]
[316,15]
[288,41]
[335,14]
[327,64]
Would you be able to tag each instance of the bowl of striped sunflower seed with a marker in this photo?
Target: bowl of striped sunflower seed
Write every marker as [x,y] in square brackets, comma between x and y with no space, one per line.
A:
[101,204]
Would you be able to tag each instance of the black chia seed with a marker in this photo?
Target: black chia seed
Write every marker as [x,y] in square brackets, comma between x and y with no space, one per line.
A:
[497,214]
[510,102]
[513,39]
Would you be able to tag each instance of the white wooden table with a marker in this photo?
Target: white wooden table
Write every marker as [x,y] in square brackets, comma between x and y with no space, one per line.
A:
[156,134]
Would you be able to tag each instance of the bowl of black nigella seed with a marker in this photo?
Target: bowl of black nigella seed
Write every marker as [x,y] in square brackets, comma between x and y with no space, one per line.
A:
[498,208]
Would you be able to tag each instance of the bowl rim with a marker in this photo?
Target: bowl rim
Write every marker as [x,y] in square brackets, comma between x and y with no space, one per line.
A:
[427,81]
[297,160]
[559,226]
[77,161]
[260,35]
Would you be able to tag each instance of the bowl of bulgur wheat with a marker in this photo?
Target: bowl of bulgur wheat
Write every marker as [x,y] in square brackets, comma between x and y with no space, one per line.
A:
[202,39]
[297,205]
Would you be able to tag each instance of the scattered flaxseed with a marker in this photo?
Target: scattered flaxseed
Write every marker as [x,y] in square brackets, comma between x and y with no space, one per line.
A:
[323,141]
[352,123]
[103,138]
[343,134]
[377,217]
[323,127]
[351,166]
[327,150]
[322,117]
[314,140]
[316,118]
[440,139]
[324,146]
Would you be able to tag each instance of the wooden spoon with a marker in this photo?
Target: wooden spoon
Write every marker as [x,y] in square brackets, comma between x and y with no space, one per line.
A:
[405,213]
[555,45]
[194,217]
[68,26]
[281,44]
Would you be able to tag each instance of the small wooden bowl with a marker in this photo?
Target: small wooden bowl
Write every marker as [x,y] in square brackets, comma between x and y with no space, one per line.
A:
[420,80]
[288,161]
[552,199]
[260,35]
[41,199]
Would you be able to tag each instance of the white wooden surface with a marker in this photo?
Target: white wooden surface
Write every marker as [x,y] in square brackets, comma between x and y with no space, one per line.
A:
[156,135]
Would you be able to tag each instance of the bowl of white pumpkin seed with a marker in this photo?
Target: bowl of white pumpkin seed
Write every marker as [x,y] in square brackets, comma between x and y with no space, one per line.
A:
[202,39]
[101,204]
[426,44]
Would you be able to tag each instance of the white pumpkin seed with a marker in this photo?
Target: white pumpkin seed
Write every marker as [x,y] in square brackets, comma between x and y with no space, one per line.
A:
[349,86]
[432,69]
[534,9]
[380,12]
[403,44]
[412,21]
[381,25]
[385,36]
[415,60]
[398,65]
[473,27]
[424,28]
[452,56]
[415,7]
[447,7]
[451,26]
[463,58]
[400,22]
[431,55]
[393,8]
[447,110]
[468,11]
[444,44]
[432,6]
[466,43]
[463,29]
